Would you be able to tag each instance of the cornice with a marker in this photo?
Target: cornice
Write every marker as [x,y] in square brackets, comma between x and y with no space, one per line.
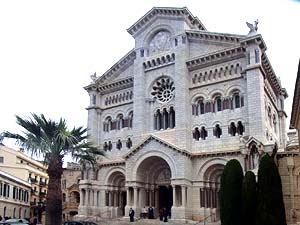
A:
[257,39]
[118,67]
[224,55]
[210,154]
[194,22]
[112,86]
[296,99]
[112,163]
[214,36]
[116,85]
[163,142]
[271,76]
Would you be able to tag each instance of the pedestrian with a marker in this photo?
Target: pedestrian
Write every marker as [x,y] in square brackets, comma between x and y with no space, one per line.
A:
[131,215]
[150,213]
[165,214]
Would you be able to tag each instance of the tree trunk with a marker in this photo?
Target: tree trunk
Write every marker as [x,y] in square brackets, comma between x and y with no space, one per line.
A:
[54,194]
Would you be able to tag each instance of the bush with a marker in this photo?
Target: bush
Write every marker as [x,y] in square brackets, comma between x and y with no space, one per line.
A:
[231,193]
[270,206]
[249,199]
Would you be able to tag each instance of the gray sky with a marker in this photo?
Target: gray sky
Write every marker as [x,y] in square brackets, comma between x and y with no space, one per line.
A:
[49,49]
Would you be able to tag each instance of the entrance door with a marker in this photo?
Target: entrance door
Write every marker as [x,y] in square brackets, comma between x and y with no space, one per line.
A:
[166,198]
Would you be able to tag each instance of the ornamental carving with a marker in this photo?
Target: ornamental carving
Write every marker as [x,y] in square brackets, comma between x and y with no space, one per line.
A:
[163,90]
[160,42]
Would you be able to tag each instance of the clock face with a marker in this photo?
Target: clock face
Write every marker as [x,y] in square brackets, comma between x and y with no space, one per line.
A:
[160,42]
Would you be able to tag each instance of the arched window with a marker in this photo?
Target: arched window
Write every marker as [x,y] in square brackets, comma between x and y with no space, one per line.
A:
[128,143]
[165,119]
[120,122]
[240,128]
[130,119]
[158,120]
[218,104]
[196,134]
[254,157]
[200,106]
[172,118]
[237,100]
[232,129]
[107,125]
[119,144]
[203,133]
[217,131]
[64,197]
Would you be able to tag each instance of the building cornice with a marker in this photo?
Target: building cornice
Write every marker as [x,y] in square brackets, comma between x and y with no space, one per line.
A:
[111,163]
[117,68]
[214,36]
[296,102]
[224,55]
[155,12]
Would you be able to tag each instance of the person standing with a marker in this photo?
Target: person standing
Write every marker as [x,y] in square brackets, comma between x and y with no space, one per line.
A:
[131,215]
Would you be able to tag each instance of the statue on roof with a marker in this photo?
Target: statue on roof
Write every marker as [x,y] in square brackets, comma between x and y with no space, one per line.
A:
[253,27]
[94,77]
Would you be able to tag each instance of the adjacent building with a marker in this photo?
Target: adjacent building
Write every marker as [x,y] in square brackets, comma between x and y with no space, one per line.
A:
[20,165]
[14,196]
[70,190]
[295,116]
[173,111]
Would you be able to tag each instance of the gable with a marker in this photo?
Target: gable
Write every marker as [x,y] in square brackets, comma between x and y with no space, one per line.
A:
[171,12]
[153,138]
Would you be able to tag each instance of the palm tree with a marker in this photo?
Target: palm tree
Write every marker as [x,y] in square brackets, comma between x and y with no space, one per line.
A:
[53,141]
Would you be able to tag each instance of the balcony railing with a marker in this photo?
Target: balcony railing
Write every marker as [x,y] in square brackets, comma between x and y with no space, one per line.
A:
[43,183]
[33,180]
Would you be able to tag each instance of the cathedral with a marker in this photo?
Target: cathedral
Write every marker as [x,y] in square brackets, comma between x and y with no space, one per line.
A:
[173,111]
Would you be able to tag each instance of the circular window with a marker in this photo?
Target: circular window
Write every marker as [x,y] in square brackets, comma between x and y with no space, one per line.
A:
[163,90]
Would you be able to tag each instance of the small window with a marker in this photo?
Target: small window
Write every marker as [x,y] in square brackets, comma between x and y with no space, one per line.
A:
[1,159]
[218,131]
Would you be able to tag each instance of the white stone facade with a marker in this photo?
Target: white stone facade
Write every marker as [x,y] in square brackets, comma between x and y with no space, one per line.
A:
[173,111]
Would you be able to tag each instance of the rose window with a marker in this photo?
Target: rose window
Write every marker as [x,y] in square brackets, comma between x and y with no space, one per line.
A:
[163,90]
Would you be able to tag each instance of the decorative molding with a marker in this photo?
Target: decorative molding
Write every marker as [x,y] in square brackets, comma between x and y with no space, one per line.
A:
[159,61]
[115,86]
[217,74]
[212,36]
[109,164]
[155,12]
[213,154]
[224,55]
[163,142]
[117,68]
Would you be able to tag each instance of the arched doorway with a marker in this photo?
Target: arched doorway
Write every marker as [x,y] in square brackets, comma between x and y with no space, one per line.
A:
[115,196]
[209,192]
[152,186]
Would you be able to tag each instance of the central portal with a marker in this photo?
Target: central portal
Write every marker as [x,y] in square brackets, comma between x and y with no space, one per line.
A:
[154,186]
[166,198]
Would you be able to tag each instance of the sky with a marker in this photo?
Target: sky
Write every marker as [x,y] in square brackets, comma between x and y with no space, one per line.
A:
[49,49]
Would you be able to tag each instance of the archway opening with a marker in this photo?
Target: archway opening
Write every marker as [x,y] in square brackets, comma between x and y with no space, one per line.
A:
[154,177]
[209,193]
[116,194]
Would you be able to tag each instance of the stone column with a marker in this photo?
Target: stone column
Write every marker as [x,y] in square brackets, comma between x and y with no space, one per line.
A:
[174,196]
[110,198]
[151,197]
[156,198]
[128,197]
[291,165]
[81,200]
[135,196]
[183,195]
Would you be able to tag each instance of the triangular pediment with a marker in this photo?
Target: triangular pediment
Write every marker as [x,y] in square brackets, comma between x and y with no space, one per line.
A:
[113,76]
[156,12]
[151,138]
